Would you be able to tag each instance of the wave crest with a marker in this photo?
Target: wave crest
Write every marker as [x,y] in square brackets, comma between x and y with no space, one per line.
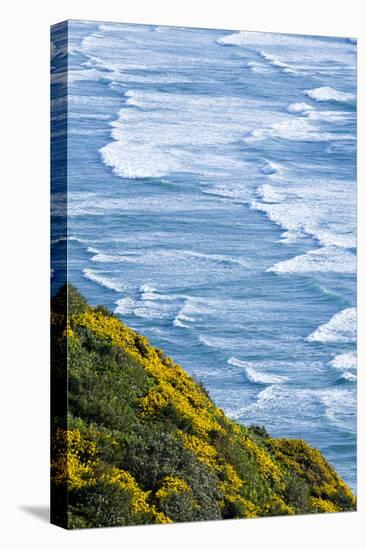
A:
[341,328]
[103,280]
[326,93]
[253,375]
[321,260]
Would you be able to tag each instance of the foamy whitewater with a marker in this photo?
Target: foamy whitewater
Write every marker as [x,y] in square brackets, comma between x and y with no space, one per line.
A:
[212,206]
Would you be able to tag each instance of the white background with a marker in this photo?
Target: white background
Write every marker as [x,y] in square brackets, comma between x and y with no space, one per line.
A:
[24,238]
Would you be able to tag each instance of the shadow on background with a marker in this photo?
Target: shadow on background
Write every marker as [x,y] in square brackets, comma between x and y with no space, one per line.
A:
[40,512]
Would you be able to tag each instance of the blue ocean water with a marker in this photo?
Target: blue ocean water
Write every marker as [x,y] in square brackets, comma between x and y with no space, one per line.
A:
[212,206]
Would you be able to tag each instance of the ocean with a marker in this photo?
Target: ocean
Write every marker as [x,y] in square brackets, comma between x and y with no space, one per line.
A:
[212,207]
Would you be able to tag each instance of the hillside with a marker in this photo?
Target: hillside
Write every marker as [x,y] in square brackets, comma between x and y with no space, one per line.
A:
[144,443]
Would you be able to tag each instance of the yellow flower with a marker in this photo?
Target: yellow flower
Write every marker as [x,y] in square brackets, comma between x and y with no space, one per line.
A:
[75,462]
[320,505]
[205,452]
[170,485]
[266,466]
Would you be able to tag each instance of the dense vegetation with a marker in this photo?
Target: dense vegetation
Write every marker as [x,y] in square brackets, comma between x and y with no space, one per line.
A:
[144,443]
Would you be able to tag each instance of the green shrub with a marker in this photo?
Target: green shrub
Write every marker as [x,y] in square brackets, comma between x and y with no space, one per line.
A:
[260,431]
[297,493]
[103,505]
[167,452]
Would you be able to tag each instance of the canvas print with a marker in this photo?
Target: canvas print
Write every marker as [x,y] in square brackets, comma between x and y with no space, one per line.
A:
[203,274]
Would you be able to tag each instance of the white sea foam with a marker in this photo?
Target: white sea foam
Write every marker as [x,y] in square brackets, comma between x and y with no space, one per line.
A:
[192,310]
[77,239]
[267,399]
[152,140]
[179,321]
[296,129]
[154,310]
[269,193]
[249,38]
[186,318]
[103,280]
[255,67]
[346,363]
[339,406]
[118,27]
[327,259]
[349,376]
[276,61]
[151,304]
[125,52]
[254,375]
[295,54]
[138,161]
[300,205]
[330,116]
[147,291]
[150,293]
[341,328]
[299,108]
[219,342]
[110,258]
[303,208]
[270,167]
[85,74]
[125,306]
[326,93]
[289,237]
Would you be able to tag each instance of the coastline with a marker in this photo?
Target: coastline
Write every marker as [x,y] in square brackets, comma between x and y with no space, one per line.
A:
[144,443]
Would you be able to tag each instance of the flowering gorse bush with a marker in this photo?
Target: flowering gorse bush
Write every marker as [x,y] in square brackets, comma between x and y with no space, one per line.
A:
[144,443]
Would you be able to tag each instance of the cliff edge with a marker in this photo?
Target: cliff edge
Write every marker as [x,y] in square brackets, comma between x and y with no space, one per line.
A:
[144,443]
